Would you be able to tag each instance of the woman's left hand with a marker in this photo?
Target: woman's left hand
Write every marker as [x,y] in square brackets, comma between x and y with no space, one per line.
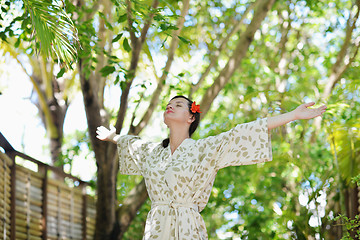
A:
[303,112]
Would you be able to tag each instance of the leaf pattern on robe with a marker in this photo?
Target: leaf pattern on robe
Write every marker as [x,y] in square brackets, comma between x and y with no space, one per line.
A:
[179,184]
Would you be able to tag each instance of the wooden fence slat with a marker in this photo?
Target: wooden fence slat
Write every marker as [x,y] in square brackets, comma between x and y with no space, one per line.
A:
[23,226]
[7,171]
[23,221]
[23,170]
[22,177]
[7,180]
[22,205]
[34,202]
[7,203]
[23,236]
[6,158]
[2,190]
[7,221]
[69,213]
[7,236]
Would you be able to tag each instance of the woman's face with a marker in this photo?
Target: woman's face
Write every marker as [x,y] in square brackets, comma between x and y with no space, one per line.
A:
[177,111]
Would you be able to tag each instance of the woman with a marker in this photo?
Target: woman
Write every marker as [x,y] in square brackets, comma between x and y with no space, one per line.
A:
[179,172]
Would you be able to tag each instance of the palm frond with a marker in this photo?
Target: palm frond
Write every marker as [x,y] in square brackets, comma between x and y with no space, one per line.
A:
[54,30]
[347,143]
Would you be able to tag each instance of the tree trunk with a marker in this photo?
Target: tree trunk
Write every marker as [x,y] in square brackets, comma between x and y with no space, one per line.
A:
[105,226]
[352,205]
[335,231]
[58,113]
[104,154]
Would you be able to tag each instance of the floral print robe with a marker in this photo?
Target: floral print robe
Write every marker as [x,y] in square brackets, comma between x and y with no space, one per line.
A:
[179,184]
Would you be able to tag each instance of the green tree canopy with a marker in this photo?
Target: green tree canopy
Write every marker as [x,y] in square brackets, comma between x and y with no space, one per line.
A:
[242,60]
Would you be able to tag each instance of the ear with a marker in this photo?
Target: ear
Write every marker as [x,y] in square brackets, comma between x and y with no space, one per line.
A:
[191,119]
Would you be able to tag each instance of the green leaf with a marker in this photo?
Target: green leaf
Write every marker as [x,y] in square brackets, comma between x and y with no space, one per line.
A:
[3,36]
[109,26]
[163,26]
[173,27]
[126,45]
[123,85]
[158,17]
[102,15]
[61,73]
[117,79]
[117,38]
[17,43]
[184,40]
[105,71]
[54,30]
[163,43]
[122,18]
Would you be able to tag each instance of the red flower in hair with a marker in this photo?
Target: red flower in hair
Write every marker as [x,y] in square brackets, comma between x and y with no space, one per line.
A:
[195,108]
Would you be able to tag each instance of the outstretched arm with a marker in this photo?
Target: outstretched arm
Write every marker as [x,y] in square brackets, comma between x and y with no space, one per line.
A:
[105,134]
[301,112]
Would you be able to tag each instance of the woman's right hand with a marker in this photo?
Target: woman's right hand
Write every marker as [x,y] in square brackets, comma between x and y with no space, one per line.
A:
[105,134]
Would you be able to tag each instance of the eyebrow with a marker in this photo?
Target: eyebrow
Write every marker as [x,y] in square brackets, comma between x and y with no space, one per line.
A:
[176,102]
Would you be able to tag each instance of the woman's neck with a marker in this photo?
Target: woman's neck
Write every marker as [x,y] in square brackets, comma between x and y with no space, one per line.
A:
[176,138]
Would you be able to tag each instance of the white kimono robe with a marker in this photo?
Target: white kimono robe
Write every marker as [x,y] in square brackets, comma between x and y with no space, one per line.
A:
[179,184]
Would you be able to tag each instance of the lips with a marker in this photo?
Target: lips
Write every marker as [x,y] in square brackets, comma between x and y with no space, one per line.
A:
[169,111]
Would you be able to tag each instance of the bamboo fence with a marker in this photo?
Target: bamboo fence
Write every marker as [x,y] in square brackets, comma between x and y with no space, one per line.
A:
[33,206]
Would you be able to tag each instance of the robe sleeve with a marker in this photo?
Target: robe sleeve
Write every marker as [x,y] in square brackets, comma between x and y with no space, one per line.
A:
[245,144]
[132,153]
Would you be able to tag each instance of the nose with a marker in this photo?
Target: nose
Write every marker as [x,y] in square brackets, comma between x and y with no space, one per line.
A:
[169,107]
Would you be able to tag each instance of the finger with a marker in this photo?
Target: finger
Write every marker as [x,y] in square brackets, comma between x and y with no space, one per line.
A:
[112,128]
[309,104]
[100,128]
[321,109]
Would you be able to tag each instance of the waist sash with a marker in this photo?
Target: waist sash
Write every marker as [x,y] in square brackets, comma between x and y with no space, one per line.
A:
[176,205]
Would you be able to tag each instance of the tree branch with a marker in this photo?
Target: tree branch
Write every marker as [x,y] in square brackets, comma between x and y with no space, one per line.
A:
[239,53]
[103,35]
[42,98]
[93,116]
[132,70]
[170,58]
[130,24]
[339,67]
[283,63]
[148,22]
[214,58]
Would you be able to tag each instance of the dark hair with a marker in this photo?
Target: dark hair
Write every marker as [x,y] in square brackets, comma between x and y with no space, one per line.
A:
[193,125]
